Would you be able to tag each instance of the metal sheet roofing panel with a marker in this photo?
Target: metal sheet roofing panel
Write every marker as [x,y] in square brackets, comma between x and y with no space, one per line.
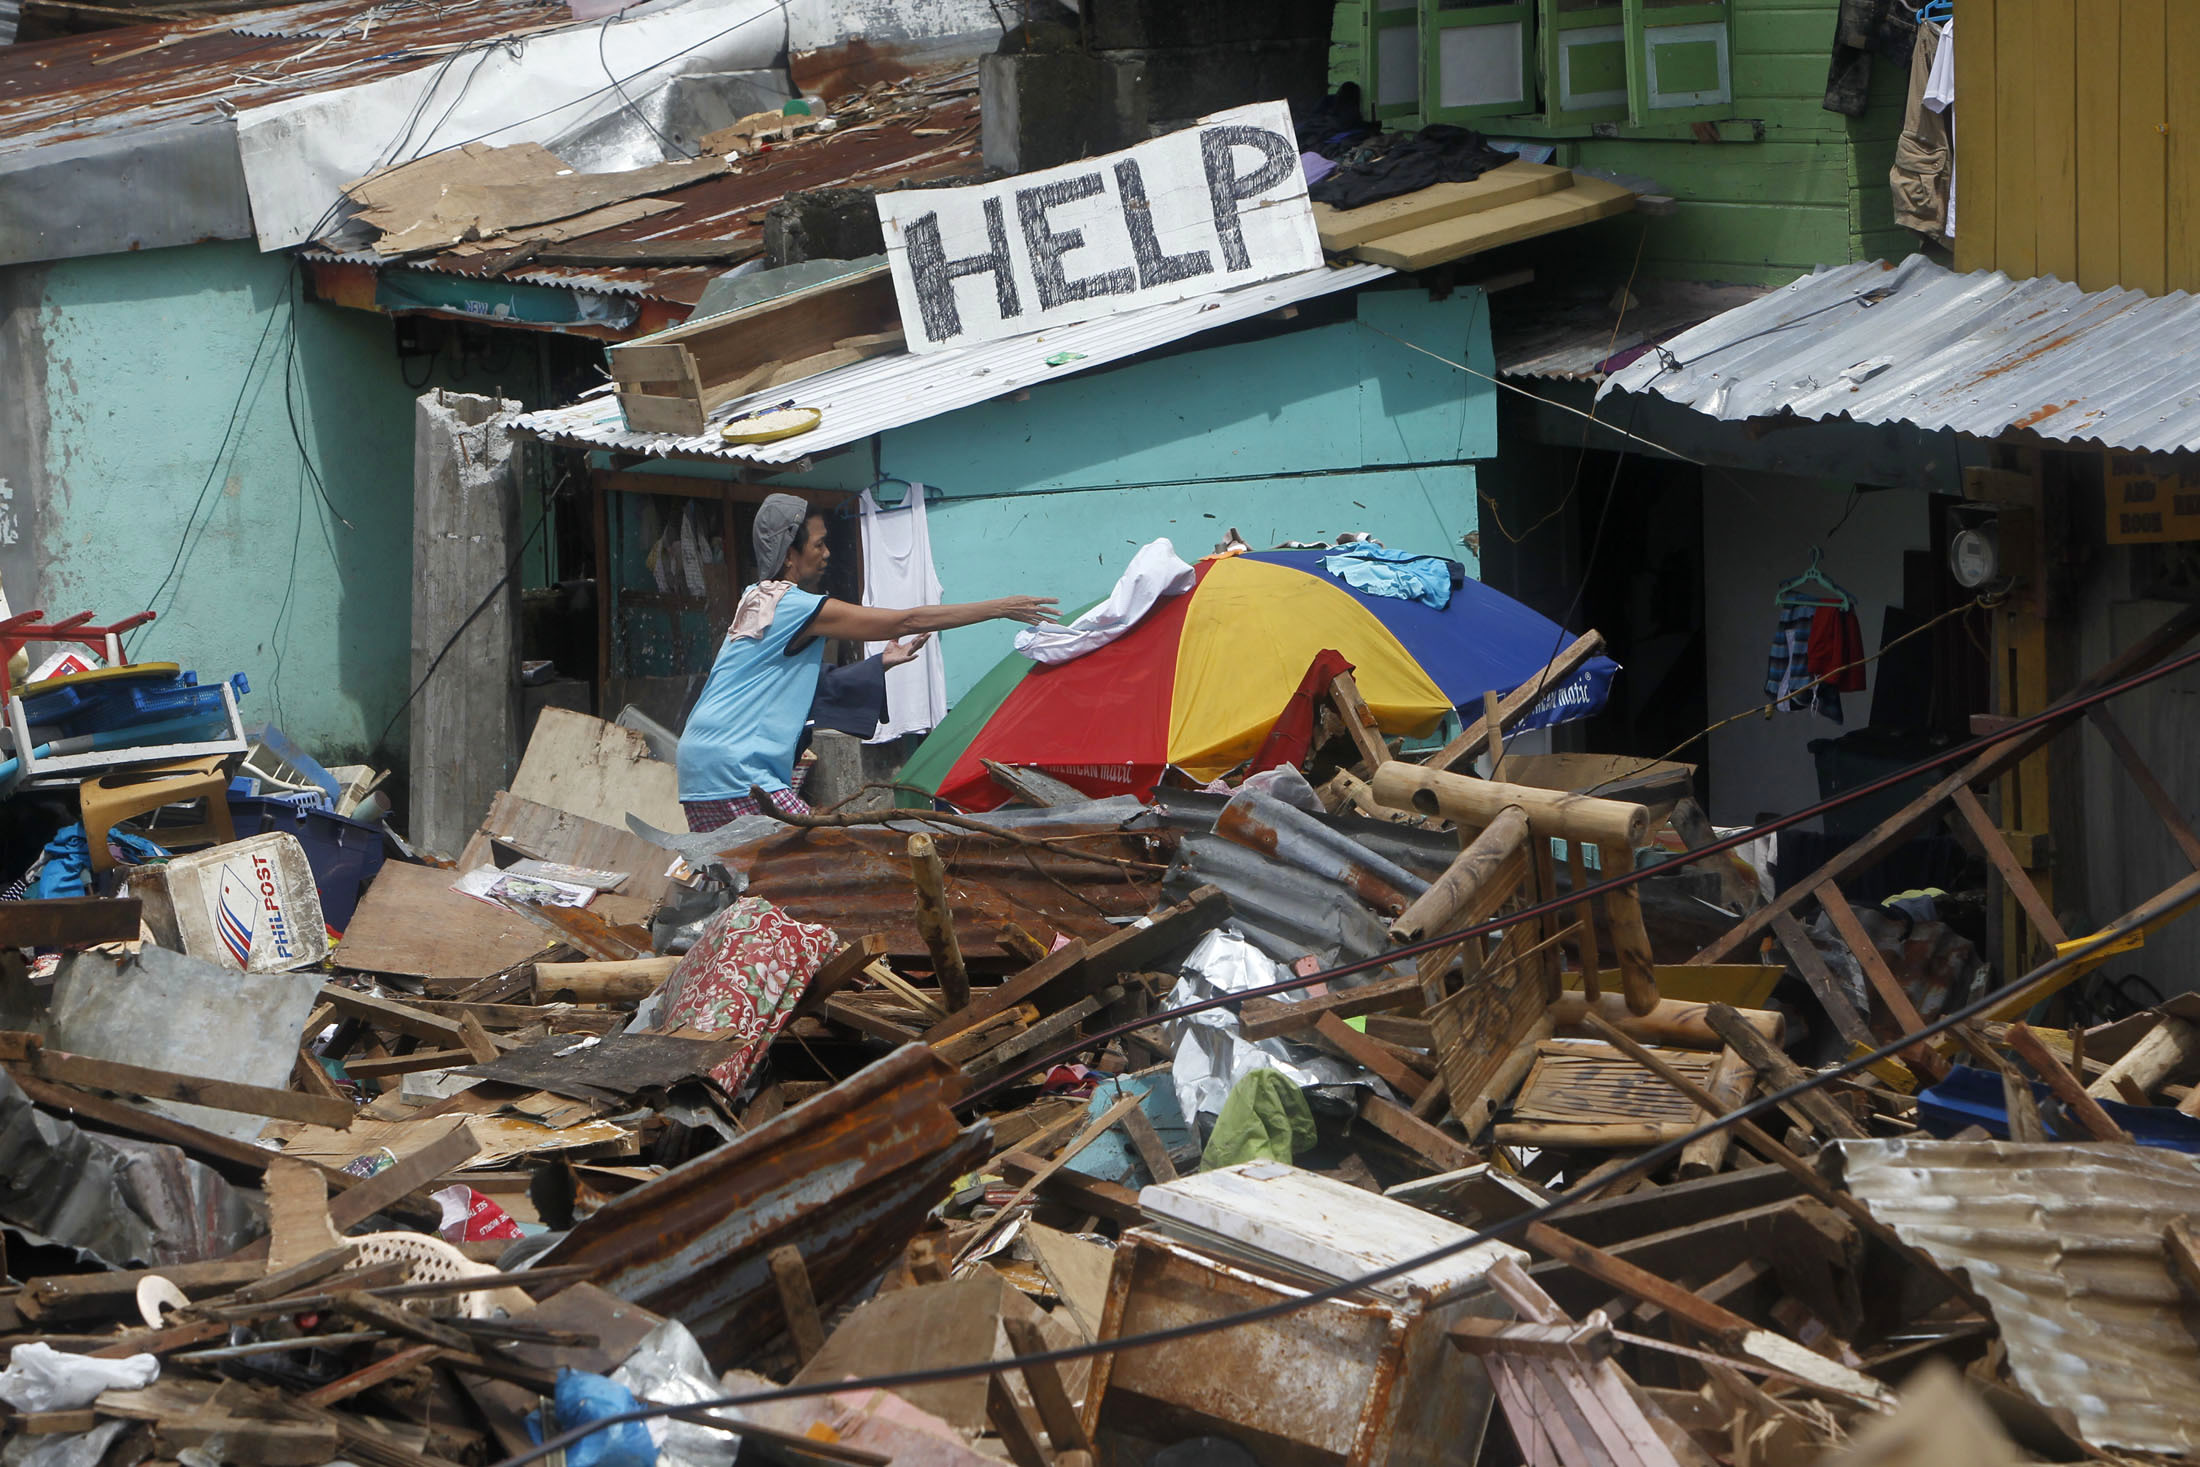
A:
[894,391]
[2064,1242]
[1980,354]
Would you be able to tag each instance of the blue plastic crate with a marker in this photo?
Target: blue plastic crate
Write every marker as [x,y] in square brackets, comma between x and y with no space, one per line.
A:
[346,855]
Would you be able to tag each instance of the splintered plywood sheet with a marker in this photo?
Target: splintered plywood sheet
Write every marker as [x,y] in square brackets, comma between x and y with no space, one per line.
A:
[410,923]
[598,770]
[1580,1083]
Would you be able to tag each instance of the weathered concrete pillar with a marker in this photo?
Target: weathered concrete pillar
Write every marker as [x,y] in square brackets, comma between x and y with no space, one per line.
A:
[465,722]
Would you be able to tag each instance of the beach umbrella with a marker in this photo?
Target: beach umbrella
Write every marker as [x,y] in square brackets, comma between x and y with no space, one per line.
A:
[1200,680]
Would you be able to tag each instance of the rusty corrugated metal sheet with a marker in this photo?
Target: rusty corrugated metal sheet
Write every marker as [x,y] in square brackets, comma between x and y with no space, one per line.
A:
[2064,1242]
[77,87]
[857,881]
[847,1177]
[731,207]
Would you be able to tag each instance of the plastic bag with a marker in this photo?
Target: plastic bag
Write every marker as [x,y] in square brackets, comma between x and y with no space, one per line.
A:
[41,1378]
[582,1398]
[469,1217]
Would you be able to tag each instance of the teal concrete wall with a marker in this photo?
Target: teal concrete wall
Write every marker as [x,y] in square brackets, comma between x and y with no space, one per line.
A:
[1295,437]
[147,357]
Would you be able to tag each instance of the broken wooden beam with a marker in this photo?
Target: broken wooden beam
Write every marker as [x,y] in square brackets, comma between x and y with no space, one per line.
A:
[936,921]
[1437,910]
[1475,803]
[82,1070]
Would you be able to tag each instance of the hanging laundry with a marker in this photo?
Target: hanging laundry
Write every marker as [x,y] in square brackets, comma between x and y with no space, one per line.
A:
[1154,572]
[1405,574]
[1836,652]
[1787,668]
[1923,176]
[1940,95]
[898,571]
[1863,29]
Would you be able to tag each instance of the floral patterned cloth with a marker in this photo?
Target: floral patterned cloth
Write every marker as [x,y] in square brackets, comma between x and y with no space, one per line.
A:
[742,979]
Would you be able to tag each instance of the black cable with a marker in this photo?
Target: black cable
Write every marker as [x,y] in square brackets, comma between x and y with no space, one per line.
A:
[603,31]
[511,569]
[1641,1165]
[1572,899]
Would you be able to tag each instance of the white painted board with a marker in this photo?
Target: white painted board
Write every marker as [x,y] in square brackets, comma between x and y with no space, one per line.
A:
[1325,1227]
[1216,205]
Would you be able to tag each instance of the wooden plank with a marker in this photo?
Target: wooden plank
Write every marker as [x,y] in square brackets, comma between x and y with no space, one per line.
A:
[2054,114]
[1585,918]
[1588,200]
[2099,215]
[936,921]
[2181,250]
[388,1368]
[1018,1433]
[1140,949]
[2182,1252]
[1369,1055]
[1777,1072]
[840,970]
[1436,1147]
[842,1011]
[1340,229]
[1359,723]
[1075,1190]
[1057,1025]
[394,1017]
[395,1183]
[1832,996]
[1055,965]
[2016,199]
[1065,1431]
[2014,876]
[1883,982]
[1146,1141]
[2064,1085]
[791,1278]
[1092,1132]
[2141,154]
[70,922]
[1974,133]
[61,1068]
[1516,705]
[1714,1320]
[597,770]
[1731,1080]
[1274,1018]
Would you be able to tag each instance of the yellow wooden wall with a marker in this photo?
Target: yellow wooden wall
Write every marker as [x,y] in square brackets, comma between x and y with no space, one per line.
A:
[2078,140]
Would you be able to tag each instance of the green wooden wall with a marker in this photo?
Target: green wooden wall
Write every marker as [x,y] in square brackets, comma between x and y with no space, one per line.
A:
[1813,191]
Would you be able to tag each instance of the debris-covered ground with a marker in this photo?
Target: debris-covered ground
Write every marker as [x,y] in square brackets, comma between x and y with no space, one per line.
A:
[1380,1106]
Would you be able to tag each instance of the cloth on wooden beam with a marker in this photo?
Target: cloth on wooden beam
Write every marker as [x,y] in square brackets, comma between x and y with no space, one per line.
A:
[742,979]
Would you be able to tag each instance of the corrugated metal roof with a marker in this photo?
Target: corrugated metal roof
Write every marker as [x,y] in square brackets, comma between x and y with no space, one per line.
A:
[2064,1242]
[894,391]
[79,87]
[1980,354]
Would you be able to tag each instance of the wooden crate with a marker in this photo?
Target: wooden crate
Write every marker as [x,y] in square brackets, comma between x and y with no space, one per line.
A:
[670,382]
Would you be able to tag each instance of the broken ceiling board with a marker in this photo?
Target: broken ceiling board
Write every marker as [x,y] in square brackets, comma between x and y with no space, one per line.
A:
[489,192]
[411,923]
[610,216]
[550,834]
[1589,200]
[597,770]
[1341,229]
[500,1137]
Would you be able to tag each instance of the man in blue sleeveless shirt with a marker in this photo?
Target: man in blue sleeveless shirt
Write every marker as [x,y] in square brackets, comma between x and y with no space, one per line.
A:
[747,725]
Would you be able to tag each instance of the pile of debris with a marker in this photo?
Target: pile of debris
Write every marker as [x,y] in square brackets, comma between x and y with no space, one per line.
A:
[974,1105]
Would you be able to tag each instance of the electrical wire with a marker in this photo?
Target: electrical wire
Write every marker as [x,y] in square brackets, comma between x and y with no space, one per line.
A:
[1573,899]
[1299,1300]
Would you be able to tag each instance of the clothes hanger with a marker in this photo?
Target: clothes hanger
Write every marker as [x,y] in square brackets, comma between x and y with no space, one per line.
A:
[1937,10]
[1811,588]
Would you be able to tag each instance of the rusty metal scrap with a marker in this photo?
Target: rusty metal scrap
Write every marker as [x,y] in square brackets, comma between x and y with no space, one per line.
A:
[857,880]
[847,1178]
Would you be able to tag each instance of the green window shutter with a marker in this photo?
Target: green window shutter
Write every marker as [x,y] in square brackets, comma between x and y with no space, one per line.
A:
[1477,59]
[1394,63]
[1679,65]
[1584,56]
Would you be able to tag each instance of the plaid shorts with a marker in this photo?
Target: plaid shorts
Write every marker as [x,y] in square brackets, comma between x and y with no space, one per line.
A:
[704,815]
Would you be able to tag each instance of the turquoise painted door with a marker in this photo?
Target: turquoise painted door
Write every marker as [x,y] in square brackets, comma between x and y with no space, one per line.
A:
[1477,59]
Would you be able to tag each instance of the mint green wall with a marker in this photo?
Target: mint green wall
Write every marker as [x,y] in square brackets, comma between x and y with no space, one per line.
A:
[1295,437]
[145,356]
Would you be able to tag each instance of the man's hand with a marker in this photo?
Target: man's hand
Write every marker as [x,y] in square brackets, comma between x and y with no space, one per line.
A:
[1030,610]
[906,650]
